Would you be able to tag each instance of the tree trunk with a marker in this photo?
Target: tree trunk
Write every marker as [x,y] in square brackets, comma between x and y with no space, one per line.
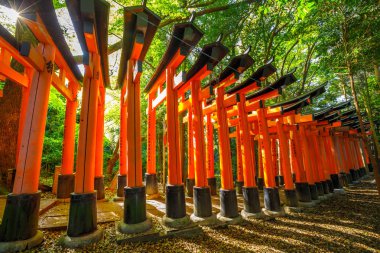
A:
[366,143]
[114,158]
[10,106]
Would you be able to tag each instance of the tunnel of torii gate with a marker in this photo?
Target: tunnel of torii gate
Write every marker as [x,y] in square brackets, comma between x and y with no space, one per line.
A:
[286,141]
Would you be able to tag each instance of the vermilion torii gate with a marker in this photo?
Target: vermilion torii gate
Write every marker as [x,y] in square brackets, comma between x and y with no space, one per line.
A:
[140,26]
[183,38]
[49,63]
[90,19]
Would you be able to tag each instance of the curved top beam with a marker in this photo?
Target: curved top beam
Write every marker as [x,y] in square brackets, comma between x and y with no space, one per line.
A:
[311,94]
[282,82]
[46,11]
[259,75]
[236,66]
[210,56]
[321,114]
[298,105]
[85,16]
[140,26]
[182,40]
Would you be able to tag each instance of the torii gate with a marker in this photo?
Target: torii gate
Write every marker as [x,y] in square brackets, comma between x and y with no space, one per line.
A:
[228,199]
[289,157]
[184,37]
[209,57]
[90,19]
[255,107]
[140,26]
[20,220]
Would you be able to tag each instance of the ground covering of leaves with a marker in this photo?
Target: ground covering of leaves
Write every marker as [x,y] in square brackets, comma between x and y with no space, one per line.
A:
[343,223]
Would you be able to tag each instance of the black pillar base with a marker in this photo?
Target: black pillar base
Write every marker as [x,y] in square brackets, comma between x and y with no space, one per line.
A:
[272,199]
[354,175]
[357,174]
[336,182]
[228,203]
[212,184]
[251,199]
[291,198]
[99,187]
[279,180]
[134,205]
[360,172]
[65,186]
[190,183]
[370,167]
[82,214]
[363,171]
[343,178]
[330,185]
[121,183]
[303,192]
[349,178]
[202,202]
[260,183]
[20,218]
[175,201]
[325,187]
[313,191]
[294,177]
[239,185]
[319,188]
[151,184]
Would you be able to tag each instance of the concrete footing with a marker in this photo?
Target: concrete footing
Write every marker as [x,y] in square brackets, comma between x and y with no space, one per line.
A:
[16,246]
[229,221]
[250,216]
[176,222]
[82,241]
[204,221]
[134,228]
[270,213]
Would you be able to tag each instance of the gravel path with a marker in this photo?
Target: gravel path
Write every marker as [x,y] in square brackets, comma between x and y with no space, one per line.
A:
[345,223]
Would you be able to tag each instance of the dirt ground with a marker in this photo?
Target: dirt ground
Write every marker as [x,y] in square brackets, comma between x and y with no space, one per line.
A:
[343,223]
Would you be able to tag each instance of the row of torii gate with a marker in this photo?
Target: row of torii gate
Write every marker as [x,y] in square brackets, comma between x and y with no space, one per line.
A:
[317,152]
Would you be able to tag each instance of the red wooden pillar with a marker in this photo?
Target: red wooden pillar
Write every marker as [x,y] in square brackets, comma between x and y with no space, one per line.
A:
[239,162]
[224,143]
[29,160]
[290,192]
[284,155]
[85,170]
[134,163]
[122,177]
[174,163]
[211,180]
[202,193]
[276,168]
[190,180]
[151,184]
[271,194]
[99,178]
[228,200]
[66,179]
[198,135]
[331,151]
